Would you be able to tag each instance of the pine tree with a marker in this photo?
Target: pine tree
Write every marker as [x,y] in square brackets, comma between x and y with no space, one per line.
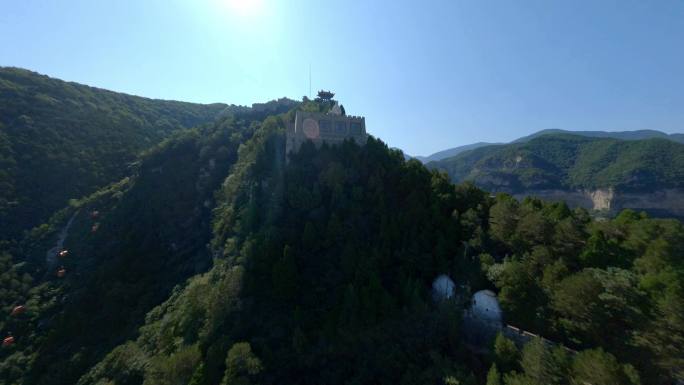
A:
[493,376]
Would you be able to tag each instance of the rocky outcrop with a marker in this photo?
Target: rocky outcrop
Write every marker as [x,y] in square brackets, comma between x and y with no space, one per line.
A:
[659,203]
[601,198]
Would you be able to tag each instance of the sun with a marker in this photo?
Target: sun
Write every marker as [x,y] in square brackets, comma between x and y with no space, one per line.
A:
[243,7]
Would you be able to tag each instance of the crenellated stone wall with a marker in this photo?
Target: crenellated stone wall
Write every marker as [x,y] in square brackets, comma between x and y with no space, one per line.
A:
[324,128]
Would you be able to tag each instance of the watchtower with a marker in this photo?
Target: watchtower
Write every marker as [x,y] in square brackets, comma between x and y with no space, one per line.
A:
[332,127]
[325,95]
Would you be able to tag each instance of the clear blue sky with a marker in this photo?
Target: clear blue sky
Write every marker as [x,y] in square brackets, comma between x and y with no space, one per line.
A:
[426,74]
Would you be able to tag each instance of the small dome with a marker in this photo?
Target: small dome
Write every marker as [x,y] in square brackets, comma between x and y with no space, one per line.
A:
[443,288]
[485,306]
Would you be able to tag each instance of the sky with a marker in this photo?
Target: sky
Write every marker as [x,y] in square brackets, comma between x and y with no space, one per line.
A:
[427,75]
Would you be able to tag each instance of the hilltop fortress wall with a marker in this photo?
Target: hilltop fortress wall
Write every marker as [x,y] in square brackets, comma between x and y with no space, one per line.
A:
[324,128]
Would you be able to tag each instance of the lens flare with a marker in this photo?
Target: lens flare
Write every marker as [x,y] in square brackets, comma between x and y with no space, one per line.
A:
[243,7]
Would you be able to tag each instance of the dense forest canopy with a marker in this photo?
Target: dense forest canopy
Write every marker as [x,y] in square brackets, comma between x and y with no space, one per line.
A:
[129,244]
[564,161]
[61,140]
[219,259]
[318,263]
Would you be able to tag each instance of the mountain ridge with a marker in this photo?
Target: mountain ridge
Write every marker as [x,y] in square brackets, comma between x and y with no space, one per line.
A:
[623,135]
[448,153]
[577,164]
[571,161]
[62,140]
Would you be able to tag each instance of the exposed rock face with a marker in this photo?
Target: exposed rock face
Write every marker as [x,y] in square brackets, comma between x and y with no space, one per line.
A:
[663,203]
[660,202]
[601,198]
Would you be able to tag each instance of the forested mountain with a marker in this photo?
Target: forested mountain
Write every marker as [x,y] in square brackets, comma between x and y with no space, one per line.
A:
[129,245]
[622,135]
[219,260]
[316,266]
[62,140]
[451,152]
[563,161]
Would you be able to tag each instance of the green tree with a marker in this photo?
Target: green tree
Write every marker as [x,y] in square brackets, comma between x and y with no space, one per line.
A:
[663,335]
[597,367]
[520,294]
[310,238]
[506,354]
[493,376]
[503,219]
[533,227]
[541,365]
[601,251]
[242,366]
[285,275]
[595,306]
[176,369]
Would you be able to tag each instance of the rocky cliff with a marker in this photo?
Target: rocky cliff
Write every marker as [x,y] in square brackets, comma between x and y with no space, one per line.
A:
[662,202]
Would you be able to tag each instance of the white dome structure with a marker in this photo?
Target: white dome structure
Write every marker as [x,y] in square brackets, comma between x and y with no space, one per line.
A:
[443,288]
[486,307]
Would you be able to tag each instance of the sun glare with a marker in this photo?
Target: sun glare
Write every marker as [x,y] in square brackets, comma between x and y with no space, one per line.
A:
[243,7]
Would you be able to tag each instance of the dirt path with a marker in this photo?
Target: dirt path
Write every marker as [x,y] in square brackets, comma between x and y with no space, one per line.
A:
[51,255]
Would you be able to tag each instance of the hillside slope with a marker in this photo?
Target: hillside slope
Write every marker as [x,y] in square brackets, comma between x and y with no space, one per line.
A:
[320,269]
[61,140]
[571,162]
[320,263]
[129,244]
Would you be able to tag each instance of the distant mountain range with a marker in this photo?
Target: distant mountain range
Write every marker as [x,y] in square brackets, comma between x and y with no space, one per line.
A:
[563,161]
[622,135]
[448,153]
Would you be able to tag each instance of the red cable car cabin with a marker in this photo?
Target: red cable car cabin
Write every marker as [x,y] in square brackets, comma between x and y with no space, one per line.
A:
[18,310]
[8,341]
[61,272]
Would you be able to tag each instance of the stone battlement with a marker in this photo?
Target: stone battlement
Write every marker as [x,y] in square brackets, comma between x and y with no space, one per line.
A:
[324,128]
